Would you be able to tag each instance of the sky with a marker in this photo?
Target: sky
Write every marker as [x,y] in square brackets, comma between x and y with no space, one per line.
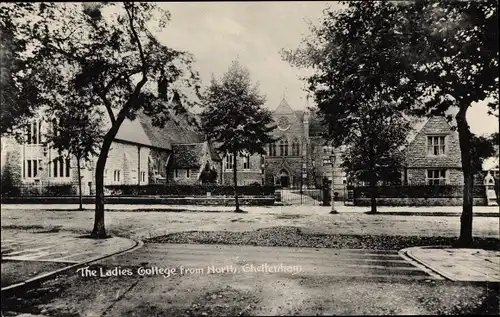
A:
[217,33]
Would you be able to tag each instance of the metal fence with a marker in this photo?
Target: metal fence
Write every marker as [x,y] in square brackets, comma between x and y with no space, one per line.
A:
[310,197]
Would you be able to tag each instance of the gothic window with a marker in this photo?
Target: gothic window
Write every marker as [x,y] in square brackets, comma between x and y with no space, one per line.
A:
[272,149]
[61,167]
[284,147]
[295,147]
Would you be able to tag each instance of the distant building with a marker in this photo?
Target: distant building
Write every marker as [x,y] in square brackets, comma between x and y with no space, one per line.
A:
[301,156]
[433,156]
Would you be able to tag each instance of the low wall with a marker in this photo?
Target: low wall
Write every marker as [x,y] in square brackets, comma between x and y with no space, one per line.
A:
[443,201]
[218,201]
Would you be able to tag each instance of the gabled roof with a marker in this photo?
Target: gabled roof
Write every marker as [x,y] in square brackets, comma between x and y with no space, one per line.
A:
[187,155]
[420,125]
[132,131]
[285,109]
[178,129]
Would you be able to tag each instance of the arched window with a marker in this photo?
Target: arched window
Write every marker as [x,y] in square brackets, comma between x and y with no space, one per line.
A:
[272,149]
[284,147]
[295,147]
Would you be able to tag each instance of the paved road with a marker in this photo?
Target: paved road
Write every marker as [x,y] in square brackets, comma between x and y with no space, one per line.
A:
[328,282]
[201,259]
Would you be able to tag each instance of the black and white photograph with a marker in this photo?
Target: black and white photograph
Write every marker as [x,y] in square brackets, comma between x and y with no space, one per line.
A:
[249,158]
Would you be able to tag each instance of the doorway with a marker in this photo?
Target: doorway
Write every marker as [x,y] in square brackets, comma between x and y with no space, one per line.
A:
[284,179]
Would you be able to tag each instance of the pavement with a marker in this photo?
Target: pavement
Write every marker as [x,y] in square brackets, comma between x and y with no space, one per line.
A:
[466,265]
[491,211]
[63,248]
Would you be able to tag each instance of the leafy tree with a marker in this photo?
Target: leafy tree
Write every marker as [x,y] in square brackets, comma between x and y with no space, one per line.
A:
[360,87]
[431,56]
[108,54]
[234,119]
[76,132]
[481,148]
[374,150]
[16,107]
[456,67]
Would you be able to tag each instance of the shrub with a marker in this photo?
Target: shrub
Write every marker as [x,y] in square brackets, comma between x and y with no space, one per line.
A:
[187,190]
[418,191]
[59,190]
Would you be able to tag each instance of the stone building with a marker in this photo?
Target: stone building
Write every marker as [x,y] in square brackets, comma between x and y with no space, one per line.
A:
[301,157]
[433,156]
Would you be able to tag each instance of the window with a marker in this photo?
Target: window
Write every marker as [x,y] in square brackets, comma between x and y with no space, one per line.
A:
[33,135]
[327,162]
[31,168]
[246,161]
[295,147]
[143,176]
[328,149]
[229,161]
[272,149]
[436,145]
[188,173]
[61,167]
[116,175]
[436,177]
[284,147]
[134,174]
[105,173]
[176,173]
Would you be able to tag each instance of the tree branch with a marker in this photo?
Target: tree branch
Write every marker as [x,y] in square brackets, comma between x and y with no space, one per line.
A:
[106,102]
[126,73]
[130,13]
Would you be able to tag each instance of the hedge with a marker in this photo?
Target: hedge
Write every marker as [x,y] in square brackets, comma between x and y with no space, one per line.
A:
[187,190]
[31,190]
[418,191]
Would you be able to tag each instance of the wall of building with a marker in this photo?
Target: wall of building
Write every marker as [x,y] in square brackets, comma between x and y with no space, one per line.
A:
[417,156]
[418,176]
[248,176]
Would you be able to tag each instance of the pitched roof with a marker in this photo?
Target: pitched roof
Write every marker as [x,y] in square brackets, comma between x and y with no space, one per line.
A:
[132,131]
[419,126]
[284,109]
[178,129]
[187,155]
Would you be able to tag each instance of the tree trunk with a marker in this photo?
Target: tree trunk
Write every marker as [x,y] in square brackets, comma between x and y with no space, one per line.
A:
[235,180]
[373,195]
[464,136]
[79,183]
[99,230]
[373,176]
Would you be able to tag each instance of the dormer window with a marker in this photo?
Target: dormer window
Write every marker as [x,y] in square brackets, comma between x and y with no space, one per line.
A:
[436,145]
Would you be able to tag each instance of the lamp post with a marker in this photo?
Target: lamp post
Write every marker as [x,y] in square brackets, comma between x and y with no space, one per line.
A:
[333,158]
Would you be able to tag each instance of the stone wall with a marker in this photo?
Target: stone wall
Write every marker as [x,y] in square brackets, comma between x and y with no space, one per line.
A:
[124,157]
[418,176]
[448,201]
[218,201]
[417,156]
[245,176]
